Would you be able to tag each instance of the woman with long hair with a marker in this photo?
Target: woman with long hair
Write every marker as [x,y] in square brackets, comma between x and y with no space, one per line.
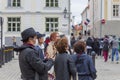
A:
[64,65]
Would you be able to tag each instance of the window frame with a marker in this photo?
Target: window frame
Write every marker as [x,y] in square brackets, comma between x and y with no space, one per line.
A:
[53,24]
[14,3]
[115,11]
[52,3]
[12,24]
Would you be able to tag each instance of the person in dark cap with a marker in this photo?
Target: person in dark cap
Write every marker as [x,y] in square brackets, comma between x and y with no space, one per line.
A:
[29,61]
[28,33]
[40,47]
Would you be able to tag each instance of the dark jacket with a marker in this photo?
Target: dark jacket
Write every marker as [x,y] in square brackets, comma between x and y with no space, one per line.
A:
[89,42]
[85,67]
[96,46]
[40,52]
[105,45]
[72,41]
[64,67]
[30,63]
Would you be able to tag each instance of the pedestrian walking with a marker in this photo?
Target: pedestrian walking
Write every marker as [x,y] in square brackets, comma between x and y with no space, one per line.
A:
[64,64]
[14,44]
[89,45]
[96,46]
[105,48]
[119,44]
[72,40]
[79,36]
[101,46]
[29,60]
[84,64]
[115,47]
[14,41]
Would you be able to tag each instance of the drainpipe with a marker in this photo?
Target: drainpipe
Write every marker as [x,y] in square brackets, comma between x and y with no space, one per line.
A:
[69,13]
[100,21]
[93,19]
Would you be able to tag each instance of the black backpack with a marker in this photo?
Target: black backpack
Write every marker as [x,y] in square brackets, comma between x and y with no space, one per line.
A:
[106,45]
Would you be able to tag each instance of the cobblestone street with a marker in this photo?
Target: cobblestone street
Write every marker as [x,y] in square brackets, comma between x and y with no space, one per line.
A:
[10,70]
[105,70]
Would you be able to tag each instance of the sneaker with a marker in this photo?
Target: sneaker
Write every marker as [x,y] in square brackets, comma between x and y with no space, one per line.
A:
[117,62]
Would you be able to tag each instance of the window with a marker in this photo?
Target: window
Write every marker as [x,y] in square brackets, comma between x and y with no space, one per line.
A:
[14,3]
[51,3]
[14,24]
[115,10]
[51,24]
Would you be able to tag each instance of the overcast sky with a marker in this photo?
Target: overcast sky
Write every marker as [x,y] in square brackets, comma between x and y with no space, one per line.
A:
[77,6]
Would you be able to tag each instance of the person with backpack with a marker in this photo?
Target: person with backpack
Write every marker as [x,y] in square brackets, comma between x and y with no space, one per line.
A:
[89,44]
[84,64]
[105,49]
[96,46]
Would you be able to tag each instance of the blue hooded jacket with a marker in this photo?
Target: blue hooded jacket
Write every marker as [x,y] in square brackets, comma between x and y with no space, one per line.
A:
[85,67]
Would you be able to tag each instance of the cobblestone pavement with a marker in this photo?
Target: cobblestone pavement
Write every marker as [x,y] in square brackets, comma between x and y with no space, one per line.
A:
[105,70]
[10,70]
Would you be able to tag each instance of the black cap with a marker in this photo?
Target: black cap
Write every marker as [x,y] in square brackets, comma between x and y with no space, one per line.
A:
[39,35]
[28,33]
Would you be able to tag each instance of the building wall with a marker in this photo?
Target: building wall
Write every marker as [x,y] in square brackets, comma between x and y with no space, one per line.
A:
[34,6]
[84,17]
[109,10]
[113,2]
[100,11]
[111,27]
[33,14]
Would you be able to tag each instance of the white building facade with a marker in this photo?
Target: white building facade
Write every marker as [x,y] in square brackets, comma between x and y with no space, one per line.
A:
[45,16]
[107,10]
[85,15]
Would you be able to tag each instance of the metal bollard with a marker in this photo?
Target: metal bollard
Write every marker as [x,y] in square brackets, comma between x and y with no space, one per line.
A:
[93,57]
[1,58]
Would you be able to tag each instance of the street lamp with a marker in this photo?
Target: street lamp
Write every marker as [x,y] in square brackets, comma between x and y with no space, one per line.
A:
[65,12]
[65,16]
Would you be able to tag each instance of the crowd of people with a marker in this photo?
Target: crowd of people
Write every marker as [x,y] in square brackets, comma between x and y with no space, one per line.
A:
[52,59]
[108,46]
[55,59]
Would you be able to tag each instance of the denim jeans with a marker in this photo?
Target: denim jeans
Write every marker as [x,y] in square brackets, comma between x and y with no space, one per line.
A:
[115,52]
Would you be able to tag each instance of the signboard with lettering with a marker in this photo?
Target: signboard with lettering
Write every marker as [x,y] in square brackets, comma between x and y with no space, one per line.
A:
[115,1]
